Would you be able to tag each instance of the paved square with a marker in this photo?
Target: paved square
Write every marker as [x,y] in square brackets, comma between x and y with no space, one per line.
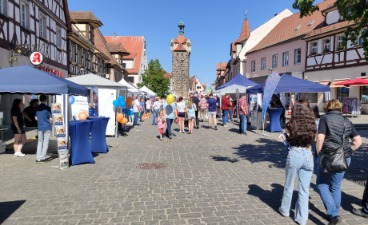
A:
[208,177]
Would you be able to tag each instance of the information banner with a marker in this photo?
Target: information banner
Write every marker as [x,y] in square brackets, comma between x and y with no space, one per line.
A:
[106,108]
[270,86]
[80,105]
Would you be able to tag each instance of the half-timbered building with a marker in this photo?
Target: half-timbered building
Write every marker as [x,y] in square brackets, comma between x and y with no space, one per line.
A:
[27,26]
[34,25]
[84,57]
[329,62]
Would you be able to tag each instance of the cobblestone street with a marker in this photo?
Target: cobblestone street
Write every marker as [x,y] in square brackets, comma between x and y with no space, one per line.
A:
[208,177]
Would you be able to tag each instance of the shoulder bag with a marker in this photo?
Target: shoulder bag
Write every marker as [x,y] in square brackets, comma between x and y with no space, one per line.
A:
[335,162]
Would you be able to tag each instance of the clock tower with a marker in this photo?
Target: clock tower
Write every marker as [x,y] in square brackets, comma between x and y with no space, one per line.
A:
[180,49]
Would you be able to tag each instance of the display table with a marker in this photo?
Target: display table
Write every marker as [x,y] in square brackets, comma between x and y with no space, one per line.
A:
[80,148]
[274,114]
[98,134]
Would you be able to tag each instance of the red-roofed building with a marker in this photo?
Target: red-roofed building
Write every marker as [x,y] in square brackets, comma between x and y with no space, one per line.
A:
[222,69]
[136,61]
[247,40]
[236,47]
[329,62]
[196,85]
[283,49]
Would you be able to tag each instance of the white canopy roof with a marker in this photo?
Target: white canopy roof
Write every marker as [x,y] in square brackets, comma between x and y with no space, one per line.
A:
[148,91]
[232,89]
[131,88]
[91,80]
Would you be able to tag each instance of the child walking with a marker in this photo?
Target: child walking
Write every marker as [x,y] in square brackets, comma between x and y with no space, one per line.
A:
[191,108]
[161,120]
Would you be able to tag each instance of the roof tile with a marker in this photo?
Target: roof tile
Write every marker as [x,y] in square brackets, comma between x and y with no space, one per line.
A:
[134,45]
[293,27]
[102,46]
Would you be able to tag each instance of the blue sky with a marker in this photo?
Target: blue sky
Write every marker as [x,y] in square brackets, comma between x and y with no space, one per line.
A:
[210,24]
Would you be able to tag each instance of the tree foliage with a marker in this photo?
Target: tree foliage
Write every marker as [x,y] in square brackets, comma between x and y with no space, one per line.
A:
[351,10]
[154,79]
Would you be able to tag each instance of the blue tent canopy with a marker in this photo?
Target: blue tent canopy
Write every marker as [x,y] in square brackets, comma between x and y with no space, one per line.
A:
[289,84]
[238,80]
[26,79]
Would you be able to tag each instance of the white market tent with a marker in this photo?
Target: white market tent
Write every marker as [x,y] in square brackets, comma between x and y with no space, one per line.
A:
[131,88]
[148,91]
[91,80]
[107,93]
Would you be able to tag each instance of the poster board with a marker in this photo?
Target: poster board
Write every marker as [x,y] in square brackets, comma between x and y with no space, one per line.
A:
[59,131]
[80,105]
[106,108]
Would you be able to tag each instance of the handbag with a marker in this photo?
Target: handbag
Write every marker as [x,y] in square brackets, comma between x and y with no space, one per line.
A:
[335,161]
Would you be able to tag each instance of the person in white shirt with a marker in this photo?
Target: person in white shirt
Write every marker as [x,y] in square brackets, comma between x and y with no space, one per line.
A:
[148,106]
[156,108]
[136,109]
[181,109]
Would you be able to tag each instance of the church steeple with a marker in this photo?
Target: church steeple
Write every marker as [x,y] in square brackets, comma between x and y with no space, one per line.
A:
[181,27]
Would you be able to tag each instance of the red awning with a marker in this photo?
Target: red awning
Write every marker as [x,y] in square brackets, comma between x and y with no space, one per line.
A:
[354,82]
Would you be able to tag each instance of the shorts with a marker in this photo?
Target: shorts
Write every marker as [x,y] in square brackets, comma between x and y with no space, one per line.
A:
[15,130]
[181,114]
[212,115]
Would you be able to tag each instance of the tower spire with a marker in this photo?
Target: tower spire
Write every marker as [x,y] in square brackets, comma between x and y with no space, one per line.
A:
[181,27]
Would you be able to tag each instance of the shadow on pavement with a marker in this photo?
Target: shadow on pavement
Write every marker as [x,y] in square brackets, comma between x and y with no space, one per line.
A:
[268,151]
[8,208]
[276,153]
[358,170]
[224,159]
[268,197]
[271,198]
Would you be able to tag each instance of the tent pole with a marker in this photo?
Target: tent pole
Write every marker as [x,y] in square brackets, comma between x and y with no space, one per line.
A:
[66,116]
[116,122]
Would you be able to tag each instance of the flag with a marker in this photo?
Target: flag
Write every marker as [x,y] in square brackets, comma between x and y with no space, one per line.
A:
[270,86]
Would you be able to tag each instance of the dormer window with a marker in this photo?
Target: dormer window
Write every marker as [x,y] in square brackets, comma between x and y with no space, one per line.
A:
[311,22]
[326,45]
[297,27]
[91,34]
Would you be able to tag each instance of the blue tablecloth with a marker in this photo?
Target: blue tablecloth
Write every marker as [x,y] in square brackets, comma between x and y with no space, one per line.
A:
[98,134]
[80,151]
[275,114]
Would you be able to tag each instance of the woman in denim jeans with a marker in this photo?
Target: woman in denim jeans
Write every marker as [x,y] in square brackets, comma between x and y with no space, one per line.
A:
[301,133]
[330,133]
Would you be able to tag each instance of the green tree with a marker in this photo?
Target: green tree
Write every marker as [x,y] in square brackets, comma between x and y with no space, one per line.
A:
[154,79]
[351,10]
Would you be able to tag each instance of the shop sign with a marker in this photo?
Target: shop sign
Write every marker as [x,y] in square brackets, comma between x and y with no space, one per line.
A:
[55,72]
[36,58]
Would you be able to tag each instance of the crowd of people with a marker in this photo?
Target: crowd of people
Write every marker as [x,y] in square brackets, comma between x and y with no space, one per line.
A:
[190,110]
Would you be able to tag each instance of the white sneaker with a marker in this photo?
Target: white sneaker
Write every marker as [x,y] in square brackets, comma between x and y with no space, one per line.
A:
[19,154]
